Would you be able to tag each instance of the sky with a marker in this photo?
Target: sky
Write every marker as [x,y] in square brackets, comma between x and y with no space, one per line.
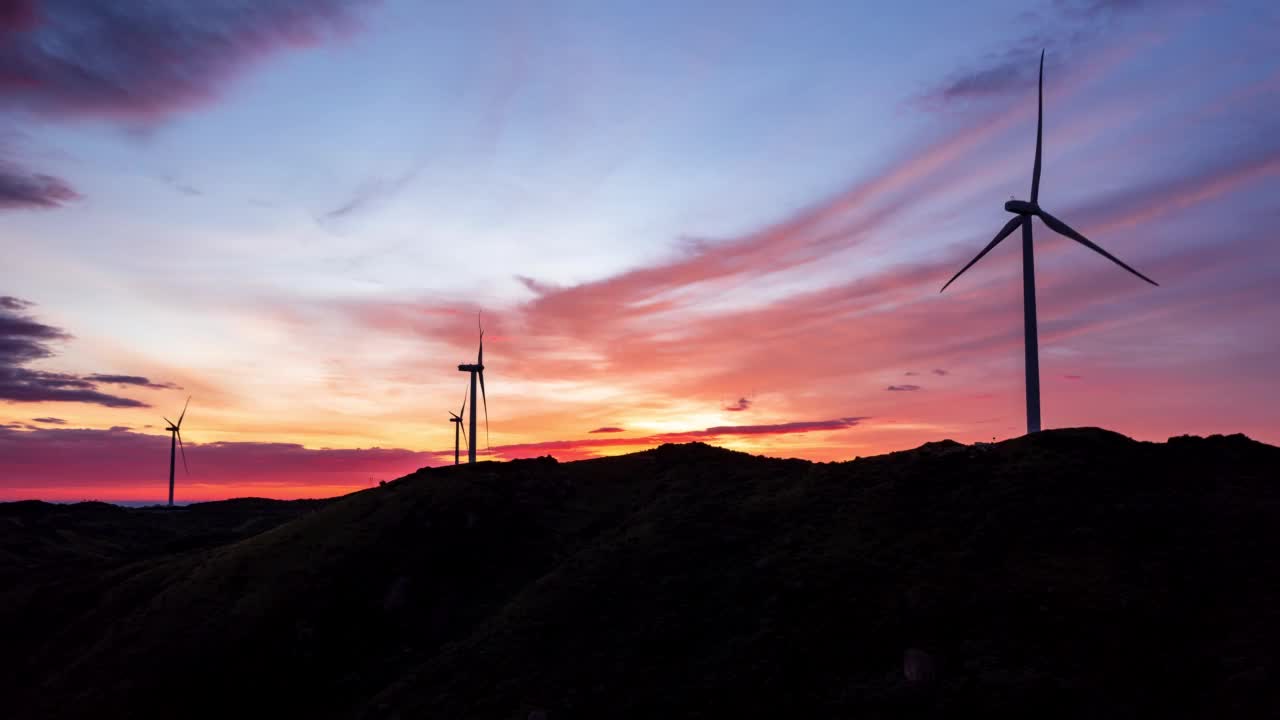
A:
[724,222]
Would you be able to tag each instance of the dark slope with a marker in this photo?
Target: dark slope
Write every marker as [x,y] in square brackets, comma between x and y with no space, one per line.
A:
[57,560]
[1075,573]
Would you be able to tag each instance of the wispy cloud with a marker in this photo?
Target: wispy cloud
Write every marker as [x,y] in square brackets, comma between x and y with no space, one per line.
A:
[739,406]
[1065,29]
[372,192]
[606,430]
[77,58]
[604,331]
[137,63]
[24,340]
[49,420]
[584,448]
[129,380]
[21,188]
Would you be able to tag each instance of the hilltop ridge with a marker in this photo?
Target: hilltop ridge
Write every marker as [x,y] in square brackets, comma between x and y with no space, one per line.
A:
[1071,573]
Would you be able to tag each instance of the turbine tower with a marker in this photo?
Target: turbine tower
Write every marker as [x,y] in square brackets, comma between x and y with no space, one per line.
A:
[175,442]
[477,371]
[456,419]
[1023,212]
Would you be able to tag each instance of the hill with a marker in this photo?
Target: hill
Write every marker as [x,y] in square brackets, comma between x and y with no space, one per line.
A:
[1074,573]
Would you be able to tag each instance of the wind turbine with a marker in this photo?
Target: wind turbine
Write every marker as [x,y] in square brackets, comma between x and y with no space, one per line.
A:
[1023,212]
[456,419]
[175,441]
[477,371]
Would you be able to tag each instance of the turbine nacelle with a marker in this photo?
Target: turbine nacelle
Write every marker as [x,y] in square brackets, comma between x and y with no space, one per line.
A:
[471,368]
[1022,207]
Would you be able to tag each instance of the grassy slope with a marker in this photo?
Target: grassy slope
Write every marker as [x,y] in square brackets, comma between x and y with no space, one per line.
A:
[1075,573]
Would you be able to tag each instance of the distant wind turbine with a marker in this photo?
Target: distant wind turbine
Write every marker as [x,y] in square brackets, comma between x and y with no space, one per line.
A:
[175,442]
[477,371]
[456,419]
[1023,212]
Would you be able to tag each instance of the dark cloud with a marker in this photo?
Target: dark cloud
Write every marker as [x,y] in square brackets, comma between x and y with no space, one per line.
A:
[129,380]
[903,388]
[997,79]
[17,15]
[137,62]
[776,429]
[911,373]
[739,406]
[24,339]
[606,430]
[180,186]
[939,372]
[23,385]
[1064,30]
[20,188]
[50,420]
[145,61]
[588,447]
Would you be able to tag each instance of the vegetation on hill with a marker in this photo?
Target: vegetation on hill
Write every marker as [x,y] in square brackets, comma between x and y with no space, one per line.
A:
[1073,573]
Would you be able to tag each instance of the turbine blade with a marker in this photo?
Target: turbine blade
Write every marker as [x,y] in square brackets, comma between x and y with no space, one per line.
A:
[485,398]
[1035,174]
[1062,228]
[184,453]
[168,421]
[184,411]
[1004,233]
[462,410]
[463,427]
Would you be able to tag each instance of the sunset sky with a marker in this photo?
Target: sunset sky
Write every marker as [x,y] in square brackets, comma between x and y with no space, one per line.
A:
[725,224]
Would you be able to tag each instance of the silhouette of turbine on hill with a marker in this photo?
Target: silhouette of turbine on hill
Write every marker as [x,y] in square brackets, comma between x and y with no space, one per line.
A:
[456,419]
[1023,212]
[175,441]
[477,371]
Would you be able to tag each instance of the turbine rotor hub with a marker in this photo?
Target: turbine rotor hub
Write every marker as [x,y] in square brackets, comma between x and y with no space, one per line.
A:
[1022,207]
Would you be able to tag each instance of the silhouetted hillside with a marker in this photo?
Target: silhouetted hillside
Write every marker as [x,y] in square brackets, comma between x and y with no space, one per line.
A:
[1074,573]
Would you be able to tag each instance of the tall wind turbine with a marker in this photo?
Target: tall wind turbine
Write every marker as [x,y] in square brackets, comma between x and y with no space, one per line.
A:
[477,371]
[1023,212]
[175,442]
[456,419]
